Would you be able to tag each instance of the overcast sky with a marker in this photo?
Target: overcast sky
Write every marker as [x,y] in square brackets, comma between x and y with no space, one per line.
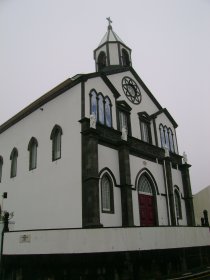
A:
[44,42]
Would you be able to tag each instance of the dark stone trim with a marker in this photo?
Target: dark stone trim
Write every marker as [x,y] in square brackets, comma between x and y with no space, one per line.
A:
[170,191]
[110,85]
[125,181]
[176,143]
[107,55]
[111,42]
[90,179]
[155,131]
[188,194]
[165,111]
[82,99]
[119,54]
[145,88]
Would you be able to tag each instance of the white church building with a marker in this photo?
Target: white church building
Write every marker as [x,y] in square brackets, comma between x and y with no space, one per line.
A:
[92,175]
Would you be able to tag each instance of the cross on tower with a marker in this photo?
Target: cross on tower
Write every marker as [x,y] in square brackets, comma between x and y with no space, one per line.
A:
[109,20]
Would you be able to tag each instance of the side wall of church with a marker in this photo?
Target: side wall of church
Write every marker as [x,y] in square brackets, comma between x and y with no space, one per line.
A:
[50,195]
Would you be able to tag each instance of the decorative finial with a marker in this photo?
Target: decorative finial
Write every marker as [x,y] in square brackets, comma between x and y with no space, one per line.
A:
[110,21]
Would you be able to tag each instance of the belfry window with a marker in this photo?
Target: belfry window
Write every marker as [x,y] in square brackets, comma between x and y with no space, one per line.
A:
[101,61]
[56,142]
[125,58]
[13,158]
[107,202]
[101,107]
[32,148]
[1,167]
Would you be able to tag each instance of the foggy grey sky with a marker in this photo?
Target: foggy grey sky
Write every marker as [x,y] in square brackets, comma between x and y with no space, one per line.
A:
[44,42]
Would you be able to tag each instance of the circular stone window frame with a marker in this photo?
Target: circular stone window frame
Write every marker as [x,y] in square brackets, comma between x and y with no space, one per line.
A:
[127,84]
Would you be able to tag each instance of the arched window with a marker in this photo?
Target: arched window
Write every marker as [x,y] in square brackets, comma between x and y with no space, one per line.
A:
[101,61]
[162,136]
[145,127]
[125,58]
[32,148]
[56,142]
[101,108]
[108,112]
[166,137]
[13,158]
[1,167]
[93,104]
[171,140]
[178,204]
[144,185]
[107,201]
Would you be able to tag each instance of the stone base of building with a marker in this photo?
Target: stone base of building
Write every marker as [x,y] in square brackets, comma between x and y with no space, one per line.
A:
[153,264]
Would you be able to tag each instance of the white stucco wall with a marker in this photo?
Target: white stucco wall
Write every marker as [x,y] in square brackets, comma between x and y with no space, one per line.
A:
[145,105]
[177,181]
[108,158]
[50,195]
[201,201]
[77,241]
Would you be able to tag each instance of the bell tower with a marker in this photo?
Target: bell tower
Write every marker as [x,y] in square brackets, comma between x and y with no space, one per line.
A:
[111,52]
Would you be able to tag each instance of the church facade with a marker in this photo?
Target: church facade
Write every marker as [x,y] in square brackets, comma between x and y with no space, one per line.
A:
[92,175]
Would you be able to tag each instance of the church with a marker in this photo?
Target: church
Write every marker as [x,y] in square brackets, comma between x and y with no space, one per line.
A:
[93,182]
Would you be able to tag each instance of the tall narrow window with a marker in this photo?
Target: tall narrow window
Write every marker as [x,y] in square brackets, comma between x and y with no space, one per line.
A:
[178,204]
[166,137]
[32,148]
[125,58]
[1,167]
[123,120]
[108,112]
[171,140]
[162,136]
[107,202]
[56,142]
[93,103]
[101,108]
[123,114]
[145,127]
[13,158]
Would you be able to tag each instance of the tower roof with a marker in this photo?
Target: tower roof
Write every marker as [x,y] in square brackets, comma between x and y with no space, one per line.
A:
[110,35]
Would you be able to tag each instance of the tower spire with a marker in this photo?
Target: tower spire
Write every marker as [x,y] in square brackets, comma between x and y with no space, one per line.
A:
[109,21]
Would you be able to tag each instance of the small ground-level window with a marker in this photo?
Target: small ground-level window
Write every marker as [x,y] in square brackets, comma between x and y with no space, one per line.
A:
[13,158]
[107,202]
